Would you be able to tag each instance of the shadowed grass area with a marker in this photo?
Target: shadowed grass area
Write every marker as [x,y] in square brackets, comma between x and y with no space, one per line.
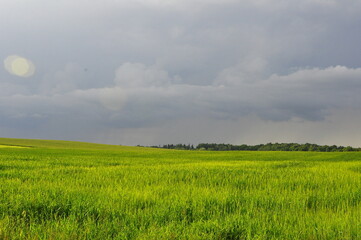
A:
[72,190]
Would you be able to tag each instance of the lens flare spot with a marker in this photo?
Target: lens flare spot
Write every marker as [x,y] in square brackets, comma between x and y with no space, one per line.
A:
[19,66]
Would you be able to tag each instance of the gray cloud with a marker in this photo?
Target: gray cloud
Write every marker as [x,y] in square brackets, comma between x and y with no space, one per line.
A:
[146,95]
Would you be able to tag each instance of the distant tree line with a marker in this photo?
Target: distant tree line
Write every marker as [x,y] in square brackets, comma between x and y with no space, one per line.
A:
[260,147]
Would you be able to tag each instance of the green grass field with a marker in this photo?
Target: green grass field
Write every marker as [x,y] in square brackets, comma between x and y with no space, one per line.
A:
[73,190]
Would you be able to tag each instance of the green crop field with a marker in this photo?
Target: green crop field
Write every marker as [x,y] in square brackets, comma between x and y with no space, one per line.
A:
[73,190]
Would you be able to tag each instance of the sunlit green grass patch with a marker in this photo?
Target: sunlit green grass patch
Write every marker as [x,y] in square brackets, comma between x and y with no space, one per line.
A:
[11,146]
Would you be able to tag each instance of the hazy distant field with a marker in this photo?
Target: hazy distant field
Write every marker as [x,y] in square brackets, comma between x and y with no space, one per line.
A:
[68,190]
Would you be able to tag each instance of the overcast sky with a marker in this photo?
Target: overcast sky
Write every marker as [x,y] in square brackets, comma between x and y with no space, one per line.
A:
[152,72]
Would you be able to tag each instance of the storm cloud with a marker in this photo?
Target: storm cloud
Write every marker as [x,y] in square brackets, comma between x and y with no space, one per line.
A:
[153,72]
